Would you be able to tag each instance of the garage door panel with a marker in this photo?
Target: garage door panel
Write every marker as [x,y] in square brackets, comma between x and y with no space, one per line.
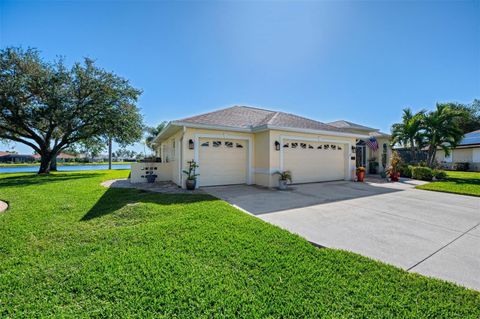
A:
[314,162]
[222,162]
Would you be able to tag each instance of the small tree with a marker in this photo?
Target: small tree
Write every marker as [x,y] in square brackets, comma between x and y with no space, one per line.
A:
[49,107]
[152,133]
[409,132]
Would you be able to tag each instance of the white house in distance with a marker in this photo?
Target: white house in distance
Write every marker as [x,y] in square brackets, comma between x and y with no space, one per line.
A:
[467,151]
[247,145]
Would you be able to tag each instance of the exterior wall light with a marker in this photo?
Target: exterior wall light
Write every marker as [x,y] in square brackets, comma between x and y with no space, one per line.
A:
[191,145]
[277,146]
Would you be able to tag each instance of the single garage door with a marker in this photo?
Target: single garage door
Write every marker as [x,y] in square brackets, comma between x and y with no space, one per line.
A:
[314,162]
[222,162]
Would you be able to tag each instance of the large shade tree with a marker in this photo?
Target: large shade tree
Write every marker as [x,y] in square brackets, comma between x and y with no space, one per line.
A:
[441,129]
[408,133]
[471,121]
[50,107]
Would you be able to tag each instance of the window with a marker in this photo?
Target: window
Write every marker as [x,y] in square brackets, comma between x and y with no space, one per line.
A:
[303,145]
[238,145]
[229,144]
[206,144]
[216,143]
[294,145]
[310,147]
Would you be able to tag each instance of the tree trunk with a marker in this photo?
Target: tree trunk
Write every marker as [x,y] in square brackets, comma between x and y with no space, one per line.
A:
[109,153]
[53,163]
[412,151]
[46,158]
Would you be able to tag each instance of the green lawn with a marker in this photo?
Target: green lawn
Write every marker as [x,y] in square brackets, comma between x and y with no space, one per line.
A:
[71,248]
[465,183]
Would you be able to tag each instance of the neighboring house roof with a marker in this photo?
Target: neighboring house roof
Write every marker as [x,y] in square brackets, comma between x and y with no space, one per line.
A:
[251,117]
[16,156]
[59,156]
[351,126]
[472,138]
[5,153]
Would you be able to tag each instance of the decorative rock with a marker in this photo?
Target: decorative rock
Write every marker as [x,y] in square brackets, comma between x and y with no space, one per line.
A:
[158,187]
[3,206]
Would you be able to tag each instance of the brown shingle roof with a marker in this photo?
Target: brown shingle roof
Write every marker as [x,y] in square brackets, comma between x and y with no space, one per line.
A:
[251,117]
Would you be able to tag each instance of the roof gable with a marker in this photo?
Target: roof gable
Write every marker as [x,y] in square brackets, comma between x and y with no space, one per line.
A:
[353,126]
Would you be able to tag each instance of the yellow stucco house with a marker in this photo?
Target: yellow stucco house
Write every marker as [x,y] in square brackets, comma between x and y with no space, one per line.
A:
[467,151]
[247,145]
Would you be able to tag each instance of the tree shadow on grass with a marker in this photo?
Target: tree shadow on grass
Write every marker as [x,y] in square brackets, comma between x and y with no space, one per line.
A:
[116,198]
[35,179]
[463,181]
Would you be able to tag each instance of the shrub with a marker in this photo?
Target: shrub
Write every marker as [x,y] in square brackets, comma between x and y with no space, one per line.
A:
[461,166]
[406,171]
[422,173]
[439,174]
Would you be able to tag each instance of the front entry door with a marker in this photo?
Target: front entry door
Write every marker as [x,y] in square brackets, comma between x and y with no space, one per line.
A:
[361,155]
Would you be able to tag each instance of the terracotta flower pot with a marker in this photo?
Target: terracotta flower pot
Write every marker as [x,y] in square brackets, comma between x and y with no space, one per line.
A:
[361,176]
[395,177]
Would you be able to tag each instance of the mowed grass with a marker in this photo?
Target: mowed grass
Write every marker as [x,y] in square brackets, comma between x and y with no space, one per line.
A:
[465,183]
[71,248]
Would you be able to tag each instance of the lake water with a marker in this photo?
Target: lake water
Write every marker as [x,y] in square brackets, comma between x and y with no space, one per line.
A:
[26,169]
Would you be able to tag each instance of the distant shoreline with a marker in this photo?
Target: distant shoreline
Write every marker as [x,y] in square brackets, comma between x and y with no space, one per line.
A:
[63,164]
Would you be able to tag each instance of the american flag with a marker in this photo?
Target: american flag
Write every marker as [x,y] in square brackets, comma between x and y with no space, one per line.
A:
[372,143]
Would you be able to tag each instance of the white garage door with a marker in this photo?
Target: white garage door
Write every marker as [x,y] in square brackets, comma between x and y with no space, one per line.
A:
[314,162]
[222,162]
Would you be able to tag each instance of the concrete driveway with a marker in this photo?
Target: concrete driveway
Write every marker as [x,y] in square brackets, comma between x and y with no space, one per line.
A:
[435,234]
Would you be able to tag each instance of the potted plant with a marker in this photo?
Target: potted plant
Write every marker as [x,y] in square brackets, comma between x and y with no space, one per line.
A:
[150,177]
[383,173]
[360,173]
[394,169]
[191,181]
[285,176]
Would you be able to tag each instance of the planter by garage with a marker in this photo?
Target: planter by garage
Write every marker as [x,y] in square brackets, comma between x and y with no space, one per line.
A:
[282,184]
[151,178]
[191,184]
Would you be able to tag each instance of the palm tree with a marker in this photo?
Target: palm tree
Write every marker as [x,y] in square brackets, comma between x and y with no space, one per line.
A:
[152,133]
[442,130]
[409,132]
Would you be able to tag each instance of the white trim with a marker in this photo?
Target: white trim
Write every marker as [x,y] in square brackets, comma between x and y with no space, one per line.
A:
[320,140]
[197,138]
[212,127]
[310,131]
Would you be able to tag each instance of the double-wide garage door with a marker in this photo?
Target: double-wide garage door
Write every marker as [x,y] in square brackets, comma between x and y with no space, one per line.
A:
[222,162]
[314,162]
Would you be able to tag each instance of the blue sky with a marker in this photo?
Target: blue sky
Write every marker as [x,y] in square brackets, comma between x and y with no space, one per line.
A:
[360,61]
